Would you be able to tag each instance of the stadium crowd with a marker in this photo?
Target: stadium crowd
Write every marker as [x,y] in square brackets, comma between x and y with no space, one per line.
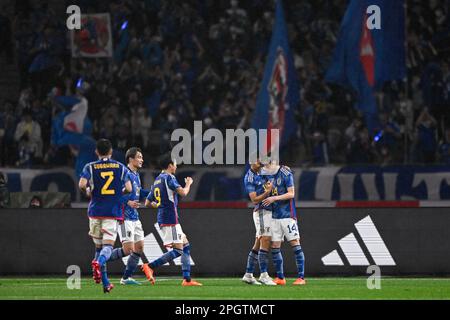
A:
[179,61]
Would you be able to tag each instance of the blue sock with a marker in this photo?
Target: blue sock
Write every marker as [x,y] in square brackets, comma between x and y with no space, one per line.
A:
[132,264]
[300,260]
[104,254]
[97,253]
[251,260]
[116,254]
[277,259]
[186,262]
[167,257]
[262,259]
[105,280]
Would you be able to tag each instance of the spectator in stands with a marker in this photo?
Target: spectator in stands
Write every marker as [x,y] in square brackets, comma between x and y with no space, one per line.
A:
[426,126]
[5,200]
[28,136]
[444,148]
[361,149]
[36,203]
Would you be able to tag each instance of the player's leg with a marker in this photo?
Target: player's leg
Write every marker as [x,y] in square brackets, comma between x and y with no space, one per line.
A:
[252,258]
[109,230]
[186,262]
[277,257]
[266,237]
[293,237]
[169,235]
[137,252]
[96,235]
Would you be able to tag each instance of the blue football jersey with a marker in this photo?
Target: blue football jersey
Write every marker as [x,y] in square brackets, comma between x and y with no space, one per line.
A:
[254,182]
[106,179]
[282,179]
[163,192]
[135,195]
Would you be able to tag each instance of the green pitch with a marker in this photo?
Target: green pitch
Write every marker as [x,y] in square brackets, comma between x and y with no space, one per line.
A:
[228,288]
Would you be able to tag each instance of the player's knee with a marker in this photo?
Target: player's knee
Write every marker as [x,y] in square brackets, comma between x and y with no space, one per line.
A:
[127,248]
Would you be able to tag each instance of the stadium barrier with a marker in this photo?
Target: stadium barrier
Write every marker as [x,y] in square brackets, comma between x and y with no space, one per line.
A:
[225,183]
[336,241]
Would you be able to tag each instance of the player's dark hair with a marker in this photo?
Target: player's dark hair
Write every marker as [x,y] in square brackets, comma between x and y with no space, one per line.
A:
[103,147]
[132,153]
[165,160]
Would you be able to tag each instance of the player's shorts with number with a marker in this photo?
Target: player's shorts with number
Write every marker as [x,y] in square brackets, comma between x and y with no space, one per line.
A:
[131,231]
[263,221]
[172,234]
[282,228]
[103,229]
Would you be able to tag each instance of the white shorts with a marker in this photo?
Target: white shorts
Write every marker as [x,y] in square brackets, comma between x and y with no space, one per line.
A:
[131,231]
[263,222]
[282,228]
[172,234]
[103,229]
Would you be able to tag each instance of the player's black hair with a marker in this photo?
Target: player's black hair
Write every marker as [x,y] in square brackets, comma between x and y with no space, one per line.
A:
[131,153]
[103,147]
[165,160]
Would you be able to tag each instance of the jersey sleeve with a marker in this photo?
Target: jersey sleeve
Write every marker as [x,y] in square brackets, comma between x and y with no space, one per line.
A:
[86,173]
[125,175]
[150,196]
[173,183]
[249,185]
[289,180]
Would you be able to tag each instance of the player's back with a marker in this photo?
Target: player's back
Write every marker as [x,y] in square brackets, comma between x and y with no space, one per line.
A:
[106,180]
[165,195]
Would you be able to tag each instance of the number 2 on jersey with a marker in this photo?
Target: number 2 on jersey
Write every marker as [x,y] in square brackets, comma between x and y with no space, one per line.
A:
[157,194]
[109,175]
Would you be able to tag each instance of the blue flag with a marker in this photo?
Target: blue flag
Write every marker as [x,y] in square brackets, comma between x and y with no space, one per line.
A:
[279,94]
[364,58]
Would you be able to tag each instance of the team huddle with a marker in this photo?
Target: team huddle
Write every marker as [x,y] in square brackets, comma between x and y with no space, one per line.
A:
[115,193]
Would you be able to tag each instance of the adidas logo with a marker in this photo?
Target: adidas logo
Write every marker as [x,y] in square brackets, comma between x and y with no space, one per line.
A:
[153,250]
[353,251]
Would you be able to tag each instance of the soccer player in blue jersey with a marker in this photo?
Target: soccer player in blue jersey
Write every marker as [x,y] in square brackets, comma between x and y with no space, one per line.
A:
[131,232]
[284,220]
[104,181]
[258,189]
[164,196]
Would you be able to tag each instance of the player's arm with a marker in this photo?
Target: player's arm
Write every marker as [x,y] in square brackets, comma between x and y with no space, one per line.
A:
[128,187]
[83,185]
[150,201]
[290,194]
[151,204]
[185,191]
[257,199]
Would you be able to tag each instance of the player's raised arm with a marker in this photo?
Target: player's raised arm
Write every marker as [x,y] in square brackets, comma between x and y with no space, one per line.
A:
[185,191]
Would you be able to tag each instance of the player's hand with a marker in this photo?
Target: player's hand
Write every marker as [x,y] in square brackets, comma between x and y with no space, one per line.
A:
[268,186]
[188,180]
[88,192]
[268,201]
[133,203]
[154,205]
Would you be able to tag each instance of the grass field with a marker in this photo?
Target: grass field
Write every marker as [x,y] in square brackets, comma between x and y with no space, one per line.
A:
[227,288]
